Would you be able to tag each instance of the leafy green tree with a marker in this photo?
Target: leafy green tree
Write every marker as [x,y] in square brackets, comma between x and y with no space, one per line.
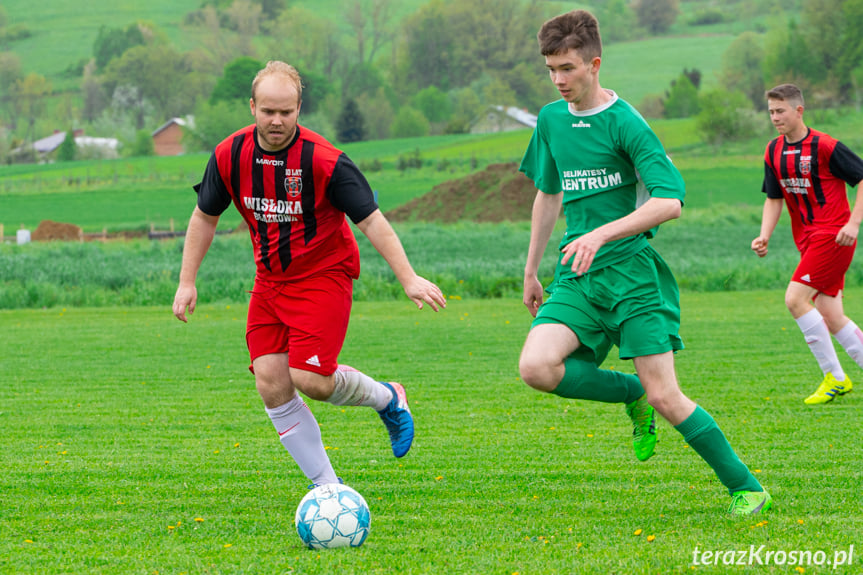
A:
[618,21]
[245,19]
[143,145]
[316,89]
[849,67]
[112,43]
[728,116]
[378,114]
[67,150]
[786,58]
[822,26]
[93,94]
[657,16]
[30,93]
[430,41]
[307,41]
[410,123]
[236,81]
[466,105]
[350,126]
[433,103]
[742,68]
[370,21]
[159,76]
[682,98]
[215,122]
[10,74]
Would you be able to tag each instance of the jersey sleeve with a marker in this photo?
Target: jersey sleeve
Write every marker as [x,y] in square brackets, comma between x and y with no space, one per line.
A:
[213,195]
[771,185]
[846,165]
[660,176]
[349,191]
[538,164]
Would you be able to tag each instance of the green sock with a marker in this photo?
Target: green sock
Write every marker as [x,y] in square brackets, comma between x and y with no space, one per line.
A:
[701,432]
[583,380]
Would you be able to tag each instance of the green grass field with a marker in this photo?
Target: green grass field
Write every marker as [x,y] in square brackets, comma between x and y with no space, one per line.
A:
[150,452]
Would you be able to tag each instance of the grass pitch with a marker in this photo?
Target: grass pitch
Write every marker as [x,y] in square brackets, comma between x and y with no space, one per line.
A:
[141,446]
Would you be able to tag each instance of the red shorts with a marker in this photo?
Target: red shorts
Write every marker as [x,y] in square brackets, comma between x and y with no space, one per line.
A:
[823,264]
[306,319]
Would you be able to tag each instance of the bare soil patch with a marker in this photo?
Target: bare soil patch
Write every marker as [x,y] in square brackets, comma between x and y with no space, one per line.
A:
[497,194]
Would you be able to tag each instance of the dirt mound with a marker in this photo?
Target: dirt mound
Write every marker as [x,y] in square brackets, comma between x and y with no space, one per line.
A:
[48,230]
[498,193]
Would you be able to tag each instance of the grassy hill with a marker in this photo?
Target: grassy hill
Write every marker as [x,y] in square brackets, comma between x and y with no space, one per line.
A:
[63,33]
[137,192]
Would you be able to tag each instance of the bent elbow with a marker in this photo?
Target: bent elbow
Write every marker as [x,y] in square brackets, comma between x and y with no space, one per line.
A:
[675,208]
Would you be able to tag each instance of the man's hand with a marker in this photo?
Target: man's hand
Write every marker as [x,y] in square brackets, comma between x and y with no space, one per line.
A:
[582,250]
[421,291]
[532,294]
[186,297]
[848,234]
[759,246]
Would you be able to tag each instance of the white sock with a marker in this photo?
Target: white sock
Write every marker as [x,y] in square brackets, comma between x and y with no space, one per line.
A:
[851,339]
[354,388]
[817,336]
[300,434]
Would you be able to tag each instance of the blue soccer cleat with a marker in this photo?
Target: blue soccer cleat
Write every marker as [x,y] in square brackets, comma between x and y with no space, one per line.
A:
[397,417]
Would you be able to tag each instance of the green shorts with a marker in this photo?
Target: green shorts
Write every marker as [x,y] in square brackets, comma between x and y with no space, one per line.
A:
[634,304]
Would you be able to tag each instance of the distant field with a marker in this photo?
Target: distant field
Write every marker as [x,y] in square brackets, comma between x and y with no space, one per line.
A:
[136,192]
[64,30]
[636,69]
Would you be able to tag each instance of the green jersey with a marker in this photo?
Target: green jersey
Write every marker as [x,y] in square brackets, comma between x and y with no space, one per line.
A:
[595,158]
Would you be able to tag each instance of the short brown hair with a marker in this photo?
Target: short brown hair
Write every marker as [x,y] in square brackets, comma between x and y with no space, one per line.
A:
[787,93]
[278,68]
[577,30]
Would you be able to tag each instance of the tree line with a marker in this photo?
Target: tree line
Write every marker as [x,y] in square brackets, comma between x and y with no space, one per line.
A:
[369,75]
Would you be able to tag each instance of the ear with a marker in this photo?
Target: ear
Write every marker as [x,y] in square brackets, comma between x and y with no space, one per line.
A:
[252,105]
[594,64]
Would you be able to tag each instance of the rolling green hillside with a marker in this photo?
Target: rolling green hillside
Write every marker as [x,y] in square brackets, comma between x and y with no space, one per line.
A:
[63,32]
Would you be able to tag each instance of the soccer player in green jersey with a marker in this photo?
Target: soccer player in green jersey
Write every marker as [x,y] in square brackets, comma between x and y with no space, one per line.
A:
[587,154]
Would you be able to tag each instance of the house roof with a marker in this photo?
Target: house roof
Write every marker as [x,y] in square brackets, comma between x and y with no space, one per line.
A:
[519,115]
[188,121]
[50,143]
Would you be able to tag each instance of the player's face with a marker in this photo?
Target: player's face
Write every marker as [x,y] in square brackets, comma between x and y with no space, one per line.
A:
[575,79]
[276,107]
[786,117]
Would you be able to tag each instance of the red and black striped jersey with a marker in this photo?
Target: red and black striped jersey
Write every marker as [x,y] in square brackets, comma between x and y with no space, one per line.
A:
[293,200]
[811,175]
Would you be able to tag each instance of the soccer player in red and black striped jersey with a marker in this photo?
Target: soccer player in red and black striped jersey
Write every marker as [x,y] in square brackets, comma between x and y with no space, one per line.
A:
[294,189]
[808,170]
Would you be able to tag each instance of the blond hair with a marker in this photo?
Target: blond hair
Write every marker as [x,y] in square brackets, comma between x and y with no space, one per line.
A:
[279,68]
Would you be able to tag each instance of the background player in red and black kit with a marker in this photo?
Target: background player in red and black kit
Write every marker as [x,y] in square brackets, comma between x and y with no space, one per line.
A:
[808,170]
[294,188]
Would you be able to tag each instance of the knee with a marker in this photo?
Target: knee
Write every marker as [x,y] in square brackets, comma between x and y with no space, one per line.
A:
[796,305]
[273,392]
[313,385]
[664,400]
[537,374]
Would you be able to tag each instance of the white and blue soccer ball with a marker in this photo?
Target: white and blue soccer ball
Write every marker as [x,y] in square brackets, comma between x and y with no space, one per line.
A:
[333,515]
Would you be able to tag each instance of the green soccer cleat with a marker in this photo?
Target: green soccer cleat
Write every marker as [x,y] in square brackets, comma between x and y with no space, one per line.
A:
[750,503]
[829,389]
[643,418]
